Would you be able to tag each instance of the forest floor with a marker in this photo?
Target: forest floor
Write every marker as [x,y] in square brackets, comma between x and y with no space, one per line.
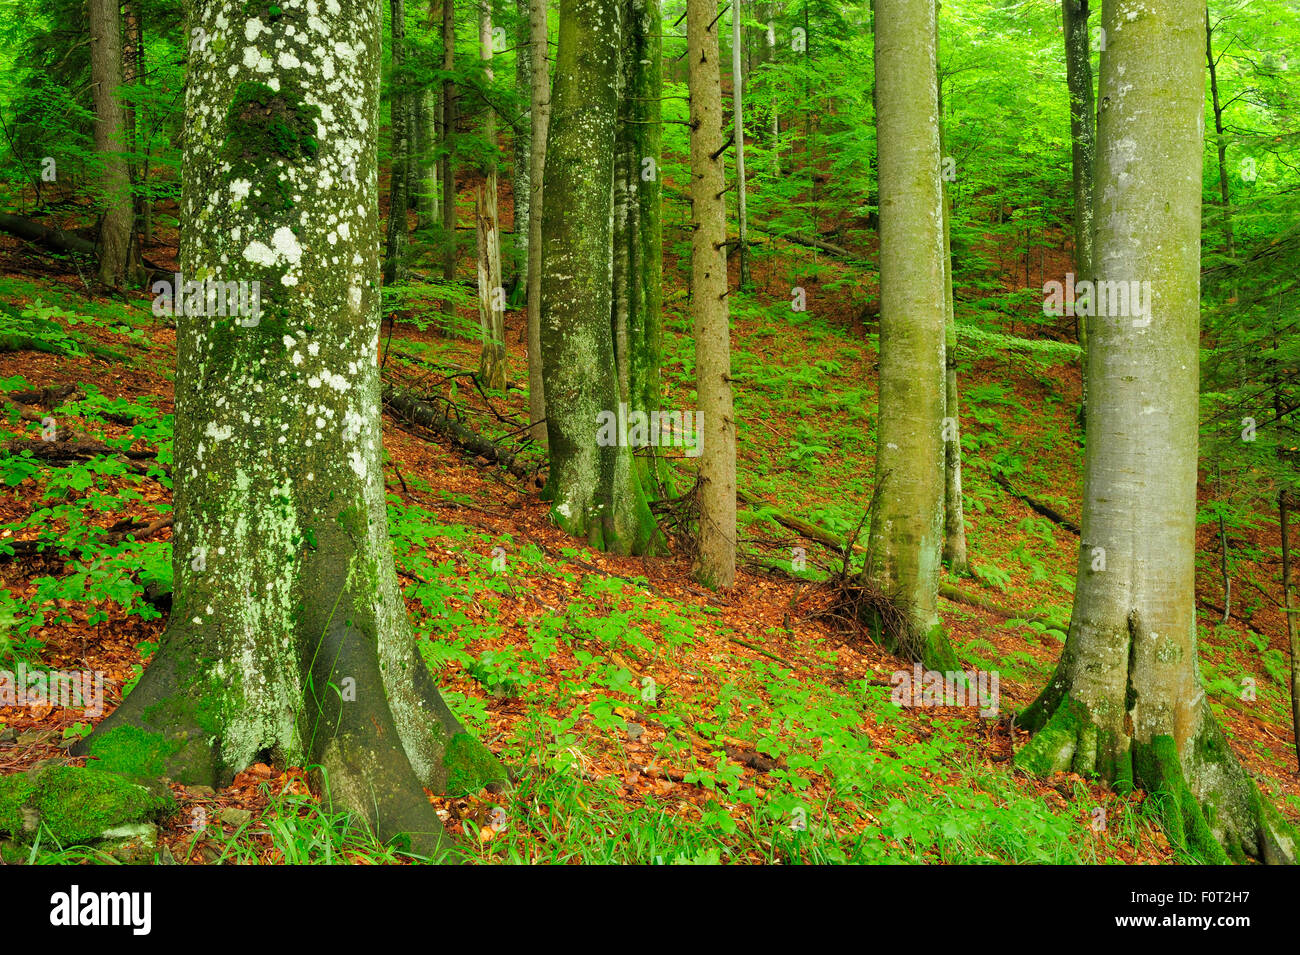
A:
[653,721]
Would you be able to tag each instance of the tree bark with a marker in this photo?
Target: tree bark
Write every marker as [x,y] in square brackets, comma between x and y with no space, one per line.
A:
[522,149]
[904,546]
[954,521]
[288,639]
[716,562]
[593,484]
[1221,148]
[491,295]
[1292,631]
[638,230]
[738,144]
[1083,152]
[448,176]
[539,72]
[116,264]
[396,265]
[1126,702]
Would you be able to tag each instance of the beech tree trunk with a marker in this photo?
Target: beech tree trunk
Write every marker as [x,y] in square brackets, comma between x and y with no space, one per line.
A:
[638,230]
[903,550]
[1126,702]
[491,295]
[954,519]
[716,562]
[593,483]
[448,176]
[116,262]
[522,149]
[1083,152]
[399,171]
[539,73]
[288,639]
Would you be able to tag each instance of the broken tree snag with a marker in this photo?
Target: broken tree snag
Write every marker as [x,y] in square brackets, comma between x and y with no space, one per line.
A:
[1038,507]
[437,419]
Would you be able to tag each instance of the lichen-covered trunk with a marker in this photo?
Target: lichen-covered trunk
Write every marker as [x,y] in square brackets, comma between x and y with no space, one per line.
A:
[116,260]
[593,483]
[647,327]
[906,538]
[1126,701]
[491,295]
[399,170]
[716,561]
[1078,78]
[540,96]
[288,639]
[638,230]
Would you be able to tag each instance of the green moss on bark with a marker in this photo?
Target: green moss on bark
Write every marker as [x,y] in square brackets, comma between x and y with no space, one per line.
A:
[263,123]
[471,766]
[1184,820]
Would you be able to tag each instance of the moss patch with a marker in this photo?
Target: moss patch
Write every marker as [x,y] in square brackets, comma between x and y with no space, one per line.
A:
[75,804]
[1158,769]
[131,751]
[470,766]
[263,123]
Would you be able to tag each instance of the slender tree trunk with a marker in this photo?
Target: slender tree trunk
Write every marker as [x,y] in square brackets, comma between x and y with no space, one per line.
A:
[593,483]
[776,115]
[1292,631]
[396,255]
[491,295]
[116,225]
[522,147]
[133,74]
[738,124]
[448,176]
[430,135]
[716,563]
[954,523]
[1221,147]
[539,56]
[288,640]
[638,242]
[1126,703]
[906,539]
[646,328]
[424,180]
[1083,151]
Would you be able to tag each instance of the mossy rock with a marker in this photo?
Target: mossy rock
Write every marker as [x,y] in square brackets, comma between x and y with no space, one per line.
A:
[76,805]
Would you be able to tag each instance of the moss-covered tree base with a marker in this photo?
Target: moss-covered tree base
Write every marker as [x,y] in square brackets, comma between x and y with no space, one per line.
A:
[1204,800]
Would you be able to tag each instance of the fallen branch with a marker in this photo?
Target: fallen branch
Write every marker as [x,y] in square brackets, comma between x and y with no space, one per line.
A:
[405,405]
[1037,506]
[49,237]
